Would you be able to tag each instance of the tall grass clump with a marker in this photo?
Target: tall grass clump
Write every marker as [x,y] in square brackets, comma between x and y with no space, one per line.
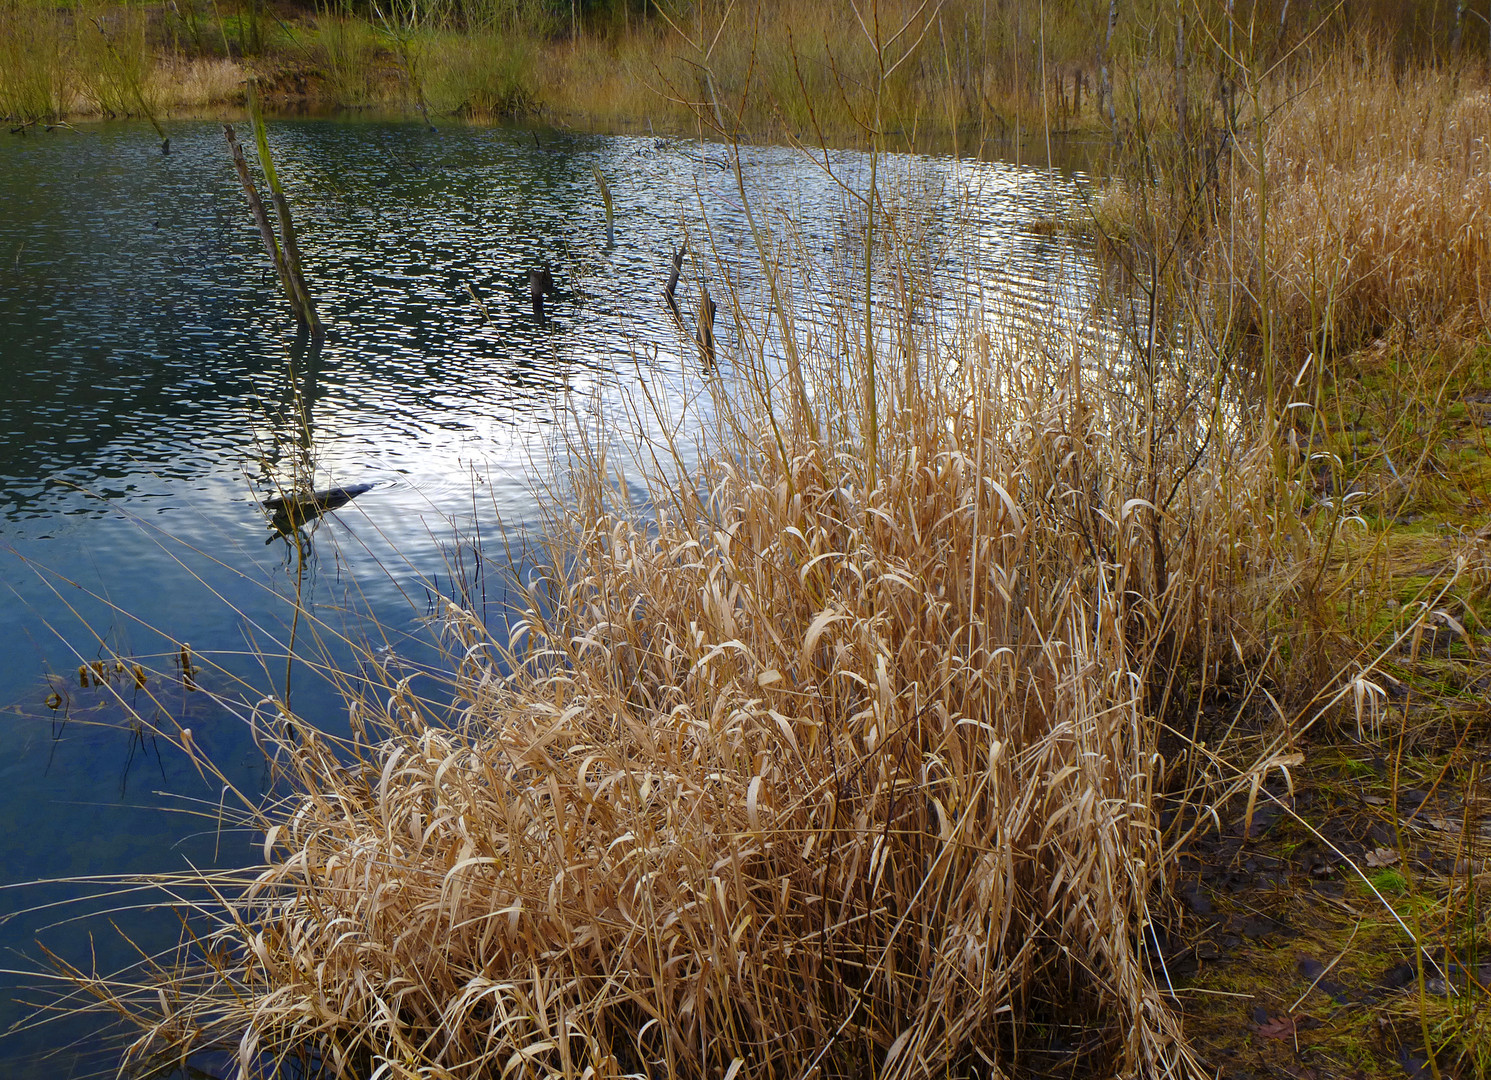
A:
[1378,224]
[350,49]
[1320,203]
[482,76]
[788,770]
[36,69]
[184,82]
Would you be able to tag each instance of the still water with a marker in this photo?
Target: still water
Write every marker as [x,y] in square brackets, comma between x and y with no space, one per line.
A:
[152,390]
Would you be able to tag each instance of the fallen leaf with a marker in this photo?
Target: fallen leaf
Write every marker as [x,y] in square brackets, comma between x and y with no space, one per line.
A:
[1279,1027]
[1382,857]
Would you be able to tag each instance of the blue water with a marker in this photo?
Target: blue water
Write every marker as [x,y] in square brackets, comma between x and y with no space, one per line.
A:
[153,389]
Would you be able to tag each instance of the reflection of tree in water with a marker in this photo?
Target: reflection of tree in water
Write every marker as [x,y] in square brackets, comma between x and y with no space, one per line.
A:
[288,472]
[287,459]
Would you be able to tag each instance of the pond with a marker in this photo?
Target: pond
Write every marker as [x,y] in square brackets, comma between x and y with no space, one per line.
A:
[155,390]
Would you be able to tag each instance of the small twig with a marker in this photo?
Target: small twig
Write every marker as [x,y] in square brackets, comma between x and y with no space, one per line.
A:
[485,315]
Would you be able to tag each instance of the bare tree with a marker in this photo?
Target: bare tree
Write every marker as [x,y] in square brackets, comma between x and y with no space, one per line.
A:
[1105,90]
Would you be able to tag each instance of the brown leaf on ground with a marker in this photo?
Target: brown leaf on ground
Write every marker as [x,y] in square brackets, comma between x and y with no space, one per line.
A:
[1277,1027]
[1382,857]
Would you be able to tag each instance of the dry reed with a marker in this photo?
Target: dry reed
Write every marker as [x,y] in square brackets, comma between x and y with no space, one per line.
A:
[1379,222]
[179,83]
[794,775]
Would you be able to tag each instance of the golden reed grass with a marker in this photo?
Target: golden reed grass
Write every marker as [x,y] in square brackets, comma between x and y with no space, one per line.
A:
[1380,182]
[798,774]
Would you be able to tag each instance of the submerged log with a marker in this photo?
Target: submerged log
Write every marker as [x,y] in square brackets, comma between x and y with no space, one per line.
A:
[292,510]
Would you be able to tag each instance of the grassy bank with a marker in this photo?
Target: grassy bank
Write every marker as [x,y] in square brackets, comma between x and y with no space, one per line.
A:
[979,702]
[984,70]
[1336,242]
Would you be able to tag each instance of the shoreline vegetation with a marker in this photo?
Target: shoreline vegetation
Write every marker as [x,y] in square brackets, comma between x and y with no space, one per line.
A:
[980,70]
[978,705]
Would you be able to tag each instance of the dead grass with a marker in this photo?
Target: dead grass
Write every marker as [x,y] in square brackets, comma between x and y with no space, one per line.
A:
[179,84]
[1379,183]
[843,757]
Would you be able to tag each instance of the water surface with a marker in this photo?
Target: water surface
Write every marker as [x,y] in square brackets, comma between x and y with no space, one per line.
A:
[153,389]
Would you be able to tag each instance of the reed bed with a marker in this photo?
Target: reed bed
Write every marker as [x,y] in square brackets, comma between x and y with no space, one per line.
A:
[180,83]
[985,71]
[865,744]
[844,756]
[1379,178]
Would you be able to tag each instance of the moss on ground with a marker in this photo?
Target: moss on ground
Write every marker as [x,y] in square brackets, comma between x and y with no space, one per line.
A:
[1293,954]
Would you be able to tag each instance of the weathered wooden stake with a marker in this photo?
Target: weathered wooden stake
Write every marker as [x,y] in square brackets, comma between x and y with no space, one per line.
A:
[606,198]
[540,281]
[705,334]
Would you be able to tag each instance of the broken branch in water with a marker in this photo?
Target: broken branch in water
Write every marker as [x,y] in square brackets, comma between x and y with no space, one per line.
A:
[669,288]
[256,208]
[290,511]
[287,259]
[705,333]
[295,286]
[600,182]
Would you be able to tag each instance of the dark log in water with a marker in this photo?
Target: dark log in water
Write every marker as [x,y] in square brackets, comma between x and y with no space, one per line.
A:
[669,288]
[289,512]
[540,281]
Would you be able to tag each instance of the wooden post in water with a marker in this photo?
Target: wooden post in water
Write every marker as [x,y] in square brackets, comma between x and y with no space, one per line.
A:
[540,281]
[600,181]
[705,333]
[295,287]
